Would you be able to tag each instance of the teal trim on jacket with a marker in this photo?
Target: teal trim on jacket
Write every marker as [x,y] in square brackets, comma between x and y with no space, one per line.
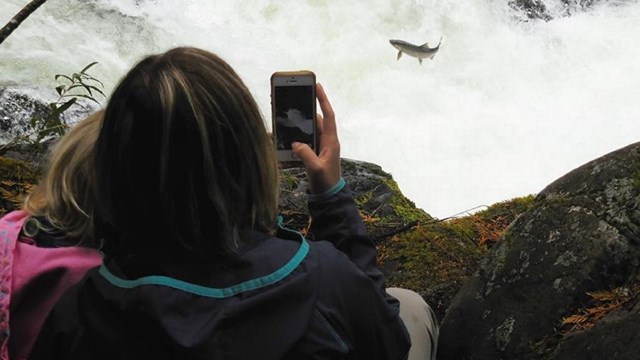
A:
[329,193]
[332,306]
[211,292]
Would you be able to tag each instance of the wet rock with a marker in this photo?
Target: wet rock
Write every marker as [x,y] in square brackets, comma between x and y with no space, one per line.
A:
[550,9]
[374,190]
[16,111]
[581,236]
[18,106]
[532,9]
[615,337]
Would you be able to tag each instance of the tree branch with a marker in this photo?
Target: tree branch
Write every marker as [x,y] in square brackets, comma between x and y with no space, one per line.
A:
[19,18]
[399,230]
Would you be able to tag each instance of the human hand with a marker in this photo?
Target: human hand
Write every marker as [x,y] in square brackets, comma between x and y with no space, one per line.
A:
[323,170]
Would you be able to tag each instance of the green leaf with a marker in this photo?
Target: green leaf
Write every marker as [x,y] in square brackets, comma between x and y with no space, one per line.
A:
[67,105]
[98,81]
[54,124]
[60,89]
[88,67]
[95,88]
[88,89]
[63,76]
[74,86]
[42,134]
[88,97]
[60,129]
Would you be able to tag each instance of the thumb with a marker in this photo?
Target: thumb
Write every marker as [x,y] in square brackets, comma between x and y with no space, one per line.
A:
[305,153]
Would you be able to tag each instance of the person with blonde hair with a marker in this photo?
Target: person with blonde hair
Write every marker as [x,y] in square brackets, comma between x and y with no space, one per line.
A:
[40,254]
[61,206]
[197,264]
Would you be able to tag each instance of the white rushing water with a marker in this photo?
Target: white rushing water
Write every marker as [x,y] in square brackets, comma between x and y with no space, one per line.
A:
[505,107]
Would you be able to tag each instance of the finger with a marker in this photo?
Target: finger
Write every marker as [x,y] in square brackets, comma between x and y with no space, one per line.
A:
[319,125]
[306,154]
[329,127]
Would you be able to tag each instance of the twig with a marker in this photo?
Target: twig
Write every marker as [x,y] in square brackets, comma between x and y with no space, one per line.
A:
[399,230]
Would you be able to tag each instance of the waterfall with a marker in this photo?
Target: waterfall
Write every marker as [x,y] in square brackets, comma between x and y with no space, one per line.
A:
[506,106]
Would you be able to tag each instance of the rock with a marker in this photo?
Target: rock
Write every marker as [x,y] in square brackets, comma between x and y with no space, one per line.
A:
[548,10]
[16,111]
[615,337]
[582,235]
[415,251]
[19,105]
[533,9]
[375,191]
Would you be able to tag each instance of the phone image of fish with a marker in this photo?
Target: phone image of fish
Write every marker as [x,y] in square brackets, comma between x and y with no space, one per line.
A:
[293,102]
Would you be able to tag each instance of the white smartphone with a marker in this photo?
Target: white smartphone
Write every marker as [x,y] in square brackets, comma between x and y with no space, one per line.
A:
[293,104]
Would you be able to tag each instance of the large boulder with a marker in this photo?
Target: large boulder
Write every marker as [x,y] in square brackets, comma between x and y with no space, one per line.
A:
[563,281]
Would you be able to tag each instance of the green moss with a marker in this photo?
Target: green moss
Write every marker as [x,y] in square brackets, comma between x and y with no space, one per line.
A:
[463,228]
[431,260]
[508,208]
[288,181]
[363,199]
[559,199]
[635,176]
[404,207]
[636,179]
[437,257]
[354,167]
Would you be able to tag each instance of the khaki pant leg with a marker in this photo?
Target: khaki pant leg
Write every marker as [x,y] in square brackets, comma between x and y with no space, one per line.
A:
[421,323]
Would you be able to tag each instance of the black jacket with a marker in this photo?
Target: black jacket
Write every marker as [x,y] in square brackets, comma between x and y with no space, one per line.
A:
[290,298]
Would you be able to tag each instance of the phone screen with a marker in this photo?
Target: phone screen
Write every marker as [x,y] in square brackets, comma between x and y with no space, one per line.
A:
[293,115]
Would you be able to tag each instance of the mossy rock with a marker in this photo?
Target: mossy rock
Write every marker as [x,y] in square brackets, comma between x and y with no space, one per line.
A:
[437,257]
[380,201]
[564,281]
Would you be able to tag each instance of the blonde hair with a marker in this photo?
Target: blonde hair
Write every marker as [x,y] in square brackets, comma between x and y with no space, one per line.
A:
[65,196]
[183,161]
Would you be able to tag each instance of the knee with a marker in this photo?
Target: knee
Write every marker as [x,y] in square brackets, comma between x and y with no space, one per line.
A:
[420,321]
[413,305]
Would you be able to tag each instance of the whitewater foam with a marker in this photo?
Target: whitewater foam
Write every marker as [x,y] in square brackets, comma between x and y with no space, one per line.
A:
[505,107]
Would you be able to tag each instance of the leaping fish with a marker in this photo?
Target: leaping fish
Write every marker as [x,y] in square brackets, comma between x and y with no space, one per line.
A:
[421,52]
